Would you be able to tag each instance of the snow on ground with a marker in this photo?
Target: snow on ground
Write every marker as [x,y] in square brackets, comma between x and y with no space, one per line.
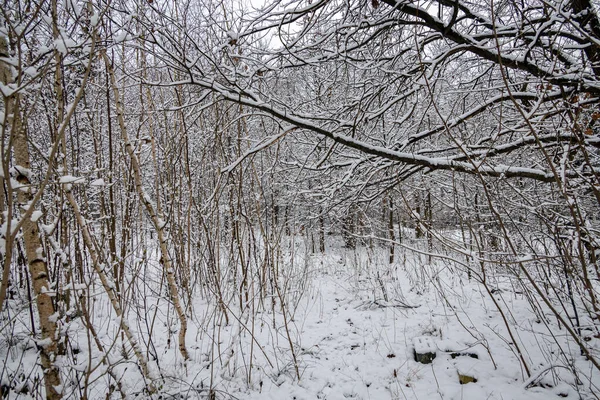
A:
[352,348]
[352,344]
[353,320]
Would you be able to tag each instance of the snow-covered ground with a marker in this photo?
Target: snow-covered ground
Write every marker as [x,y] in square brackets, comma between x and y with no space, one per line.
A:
[352,319]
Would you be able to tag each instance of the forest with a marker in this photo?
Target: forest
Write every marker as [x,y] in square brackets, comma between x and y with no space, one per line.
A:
[300,199]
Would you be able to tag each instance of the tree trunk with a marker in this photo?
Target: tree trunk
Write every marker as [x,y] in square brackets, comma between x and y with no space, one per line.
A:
[156,219]
[391,231]
[37,264]
[321,232]
[36,260]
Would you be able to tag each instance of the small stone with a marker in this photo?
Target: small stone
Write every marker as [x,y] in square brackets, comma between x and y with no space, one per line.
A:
[464,354]
[424,349]
[464,379]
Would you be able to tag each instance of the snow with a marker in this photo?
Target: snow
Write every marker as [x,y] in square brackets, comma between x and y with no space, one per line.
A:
[36,215]
[7,90]
[424,344]
[4,226]
[75,286]
[252,99]
[121,37]
[44,342]
[349,341]
[62,45]
[54,317]
[49,228]
[72,5]
[233,35]
[98,182]
[19,170]
[94,19]
[39,253]
[30,71]
[67,179]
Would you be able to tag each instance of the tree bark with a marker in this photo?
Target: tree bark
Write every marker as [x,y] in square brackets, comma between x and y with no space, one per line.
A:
[36,261]
[157,222]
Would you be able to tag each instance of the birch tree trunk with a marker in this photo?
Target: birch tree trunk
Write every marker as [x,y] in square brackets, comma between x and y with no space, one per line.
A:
[110,288]
[5,130]
[36,261]
[156,220]
[34,252]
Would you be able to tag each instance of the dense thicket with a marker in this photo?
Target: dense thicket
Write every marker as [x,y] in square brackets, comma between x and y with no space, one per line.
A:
[173,149]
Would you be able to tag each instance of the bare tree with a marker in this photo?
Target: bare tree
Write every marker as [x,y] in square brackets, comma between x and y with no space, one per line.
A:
[211,137]
[504,92]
